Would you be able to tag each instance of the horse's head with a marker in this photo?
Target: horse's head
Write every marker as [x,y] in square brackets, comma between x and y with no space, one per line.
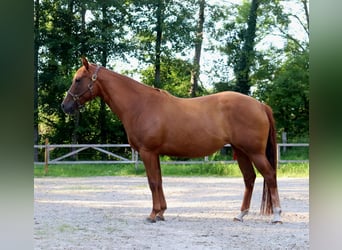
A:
[82,88]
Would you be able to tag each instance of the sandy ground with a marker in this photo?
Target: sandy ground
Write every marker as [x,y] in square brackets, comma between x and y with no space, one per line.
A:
[110,212]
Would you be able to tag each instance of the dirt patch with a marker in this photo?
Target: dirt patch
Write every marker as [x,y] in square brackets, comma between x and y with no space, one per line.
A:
[110,212]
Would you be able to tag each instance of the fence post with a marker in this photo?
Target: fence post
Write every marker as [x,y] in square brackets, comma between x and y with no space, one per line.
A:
[284,140]
[135,158]
[46,168]
[278,155]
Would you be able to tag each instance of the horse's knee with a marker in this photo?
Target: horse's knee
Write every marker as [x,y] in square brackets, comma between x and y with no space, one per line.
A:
[154,185]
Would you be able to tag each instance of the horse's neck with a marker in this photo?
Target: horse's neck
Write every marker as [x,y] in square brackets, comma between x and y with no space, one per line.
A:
[122,94]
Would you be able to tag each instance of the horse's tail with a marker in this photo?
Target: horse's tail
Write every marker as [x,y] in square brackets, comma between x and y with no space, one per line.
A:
[271,154]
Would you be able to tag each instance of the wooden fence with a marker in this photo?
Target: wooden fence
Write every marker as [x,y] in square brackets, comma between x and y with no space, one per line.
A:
[72,151]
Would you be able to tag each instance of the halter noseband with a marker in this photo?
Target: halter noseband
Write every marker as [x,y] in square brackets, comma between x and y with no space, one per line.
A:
[76,97]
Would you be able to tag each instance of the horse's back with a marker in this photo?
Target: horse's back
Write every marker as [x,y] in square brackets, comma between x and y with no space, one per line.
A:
[229,107]
[200,126]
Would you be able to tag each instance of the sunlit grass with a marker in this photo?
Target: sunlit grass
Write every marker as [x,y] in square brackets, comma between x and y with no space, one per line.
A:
[217,169]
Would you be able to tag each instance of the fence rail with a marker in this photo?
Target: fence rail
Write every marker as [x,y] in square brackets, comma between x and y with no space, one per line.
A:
[133,158]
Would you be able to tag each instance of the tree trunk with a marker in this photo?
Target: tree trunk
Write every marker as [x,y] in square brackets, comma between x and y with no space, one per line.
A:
[35,101]
[307,26]
[159,30]
[83,48]
[305,4]
[198,47]
[74,136]
[242,68]
[75,133]
[104,58]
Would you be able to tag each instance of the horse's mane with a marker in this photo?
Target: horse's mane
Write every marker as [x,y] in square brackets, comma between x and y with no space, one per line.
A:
[125,78]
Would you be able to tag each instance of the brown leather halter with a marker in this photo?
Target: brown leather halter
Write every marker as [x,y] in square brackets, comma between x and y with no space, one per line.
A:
[76,97]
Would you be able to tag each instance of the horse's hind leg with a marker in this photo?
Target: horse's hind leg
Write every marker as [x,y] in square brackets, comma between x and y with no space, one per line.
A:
[269,174]
[249,176]
[153,171]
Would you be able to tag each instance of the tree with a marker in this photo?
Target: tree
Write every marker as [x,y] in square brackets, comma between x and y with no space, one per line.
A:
[270,75]
[175,75]
[159,31]
[242,29]
[246,56]
[161,35]
[162,29]
[198,47]
[66,33]
[282,75]
[36,84]
[54,67]
[109,25]
[288,95]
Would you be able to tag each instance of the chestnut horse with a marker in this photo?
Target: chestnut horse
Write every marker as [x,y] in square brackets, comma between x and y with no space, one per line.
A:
[158,123]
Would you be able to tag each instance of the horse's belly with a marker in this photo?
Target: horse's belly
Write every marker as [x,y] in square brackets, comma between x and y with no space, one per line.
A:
[190,152]
[194,138]
[191,148]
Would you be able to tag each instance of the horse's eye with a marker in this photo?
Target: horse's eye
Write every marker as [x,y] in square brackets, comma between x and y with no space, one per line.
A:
[77,80]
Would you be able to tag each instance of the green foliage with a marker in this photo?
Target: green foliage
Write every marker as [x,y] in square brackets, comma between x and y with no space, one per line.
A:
[293,170]
[278,76]
[178,27]
[231,170]
[295,153]
[175,76]
[65,34]
[223,170]
[288,95]
[244,26]
[111,31]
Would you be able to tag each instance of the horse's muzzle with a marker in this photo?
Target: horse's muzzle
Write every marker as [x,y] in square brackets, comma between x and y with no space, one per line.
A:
[68,108]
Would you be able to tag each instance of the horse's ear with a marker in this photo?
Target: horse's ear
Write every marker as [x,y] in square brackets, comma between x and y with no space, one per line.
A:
[85,62]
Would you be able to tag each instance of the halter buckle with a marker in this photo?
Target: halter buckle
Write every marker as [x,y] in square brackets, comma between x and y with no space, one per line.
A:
[94,77]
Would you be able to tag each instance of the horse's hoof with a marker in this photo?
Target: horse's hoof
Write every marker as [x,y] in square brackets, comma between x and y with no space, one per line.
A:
[241,215]
[149,219]
[160,218]
[237,219]
[276,216]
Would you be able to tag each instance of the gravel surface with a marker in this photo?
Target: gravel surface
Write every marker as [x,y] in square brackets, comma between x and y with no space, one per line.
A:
[110,212]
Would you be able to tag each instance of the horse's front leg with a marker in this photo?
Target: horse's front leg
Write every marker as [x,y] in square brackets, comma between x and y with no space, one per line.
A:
[153,171]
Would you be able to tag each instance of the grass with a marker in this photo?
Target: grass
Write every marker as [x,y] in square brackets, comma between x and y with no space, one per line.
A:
[224,170]
[207,169]
[295,153]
